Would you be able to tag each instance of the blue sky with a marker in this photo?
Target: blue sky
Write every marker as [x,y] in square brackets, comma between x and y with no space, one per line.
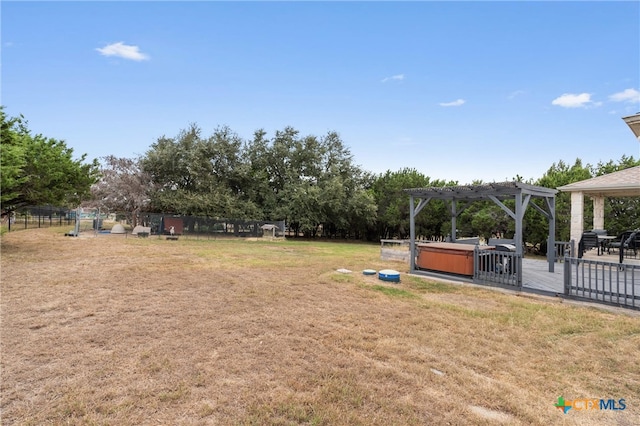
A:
[457,90]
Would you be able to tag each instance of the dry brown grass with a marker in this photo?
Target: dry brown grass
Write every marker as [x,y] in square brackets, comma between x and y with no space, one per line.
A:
[114,330]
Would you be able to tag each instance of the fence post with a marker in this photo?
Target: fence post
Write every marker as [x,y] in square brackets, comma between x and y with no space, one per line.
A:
[551,253]
[476,263]
[567,273]
[519,266]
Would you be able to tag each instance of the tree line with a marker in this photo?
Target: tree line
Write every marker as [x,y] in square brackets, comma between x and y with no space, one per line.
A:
[311,182]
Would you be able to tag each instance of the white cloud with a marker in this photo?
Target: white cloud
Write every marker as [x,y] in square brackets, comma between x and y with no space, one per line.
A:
[515,94]
[397,77]
[571,100]
[457,102]
[123,51]
[627,95]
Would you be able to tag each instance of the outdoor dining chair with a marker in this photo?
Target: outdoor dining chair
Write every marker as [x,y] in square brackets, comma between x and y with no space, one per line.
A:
[616,244]
[628,245]
[588,241]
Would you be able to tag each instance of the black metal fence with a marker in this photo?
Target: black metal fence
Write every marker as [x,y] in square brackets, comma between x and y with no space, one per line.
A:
[39,217]
[188,226]
[206,227]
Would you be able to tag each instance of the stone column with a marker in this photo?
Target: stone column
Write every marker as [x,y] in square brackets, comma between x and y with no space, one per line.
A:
[598,212]
[577,216]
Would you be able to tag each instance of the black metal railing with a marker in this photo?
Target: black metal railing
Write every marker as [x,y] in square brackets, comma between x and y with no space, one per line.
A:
[605,282]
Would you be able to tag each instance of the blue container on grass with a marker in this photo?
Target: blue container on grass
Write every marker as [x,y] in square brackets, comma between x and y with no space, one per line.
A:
[389,275]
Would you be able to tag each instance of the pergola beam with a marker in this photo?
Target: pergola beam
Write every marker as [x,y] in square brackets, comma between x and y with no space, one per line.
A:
[502,206]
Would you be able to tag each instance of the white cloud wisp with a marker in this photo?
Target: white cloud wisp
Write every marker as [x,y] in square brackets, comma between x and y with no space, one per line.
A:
[397,77]
[571,100]
[455,103]
[627,95]
[122,50]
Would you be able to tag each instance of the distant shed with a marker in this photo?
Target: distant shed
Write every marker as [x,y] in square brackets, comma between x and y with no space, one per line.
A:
[268,227]
[175,222]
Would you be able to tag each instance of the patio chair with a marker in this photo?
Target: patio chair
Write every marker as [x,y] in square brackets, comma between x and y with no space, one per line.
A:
[629,246]
[588,241]
[602,239]
[618,242]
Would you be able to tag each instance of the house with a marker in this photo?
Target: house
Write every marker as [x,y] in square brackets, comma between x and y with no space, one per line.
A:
[623,183]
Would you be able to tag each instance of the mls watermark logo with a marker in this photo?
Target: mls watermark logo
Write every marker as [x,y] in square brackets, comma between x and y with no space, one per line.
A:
[584,404]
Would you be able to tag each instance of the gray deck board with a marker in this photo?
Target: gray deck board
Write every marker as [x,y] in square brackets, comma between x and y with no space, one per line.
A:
[605,281]
[536,275]
[603,278]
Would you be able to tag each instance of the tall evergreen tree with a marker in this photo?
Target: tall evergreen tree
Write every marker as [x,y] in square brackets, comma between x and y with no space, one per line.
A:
[37,170]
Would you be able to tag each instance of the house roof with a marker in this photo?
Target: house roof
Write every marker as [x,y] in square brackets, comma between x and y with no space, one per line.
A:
[623,183]
[633,121]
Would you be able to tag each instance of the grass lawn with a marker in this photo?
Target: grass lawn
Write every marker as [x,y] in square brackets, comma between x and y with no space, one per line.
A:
[114,330]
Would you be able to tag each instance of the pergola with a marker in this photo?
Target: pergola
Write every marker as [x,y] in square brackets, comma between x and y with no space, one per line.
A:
[624,183]
[459,197]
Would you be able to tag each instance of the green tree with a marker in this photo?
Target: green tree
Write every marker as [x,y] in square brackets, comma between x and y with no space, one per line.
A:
[393,205]
[559,174]
[316,186]
[486,219]
[12,157]
[259,189]
[197,176]
[44,171]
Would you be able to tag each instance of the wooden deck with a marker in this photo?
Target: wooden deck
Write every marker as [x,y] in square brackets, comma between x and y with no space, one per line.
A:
[603,281]
[536,275]
[600,278]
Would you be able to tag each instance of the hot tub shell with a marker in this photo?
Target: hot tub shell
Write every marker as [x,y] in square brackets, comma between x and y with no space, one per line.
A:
[447,257]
